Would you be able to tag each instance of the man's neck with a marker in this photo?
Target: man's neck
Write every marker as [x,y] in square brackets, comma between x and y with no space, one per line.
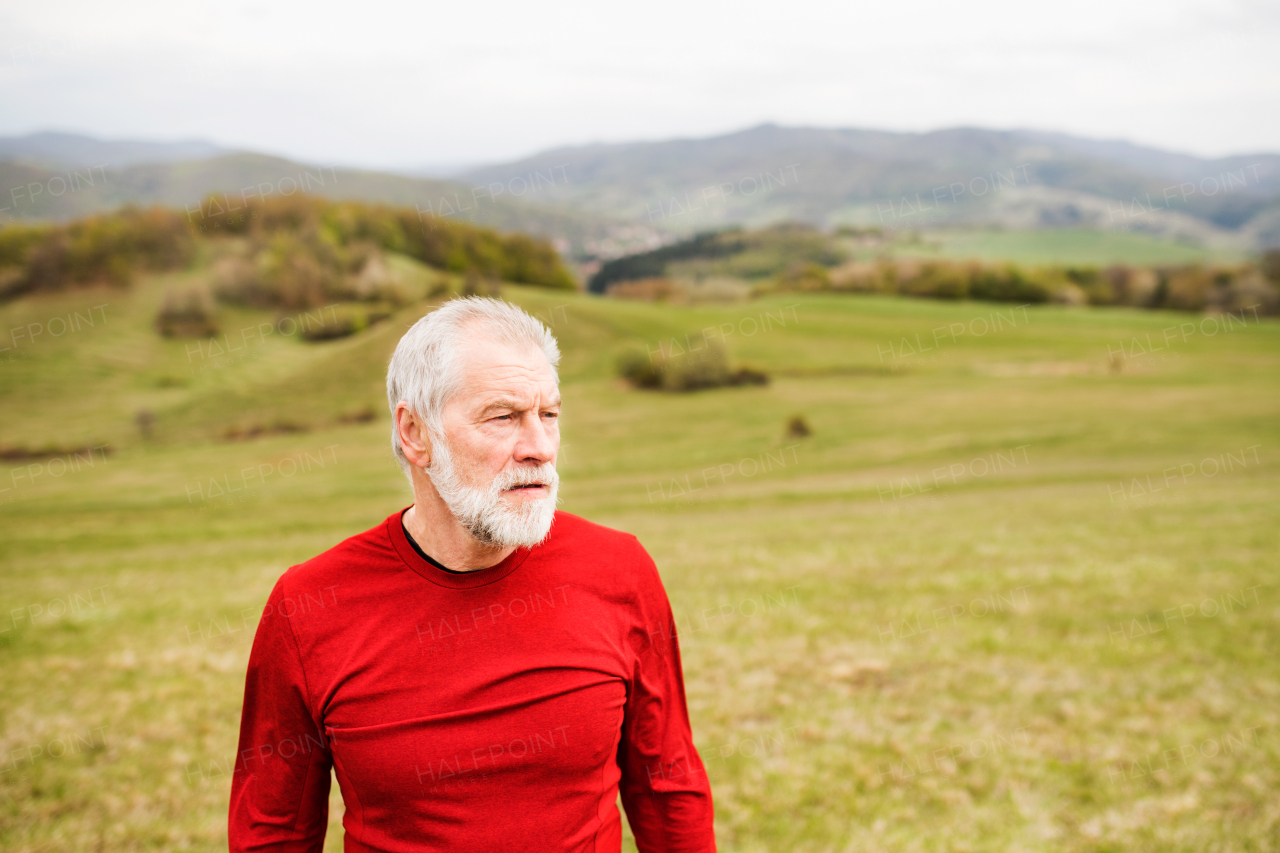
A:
[439,534]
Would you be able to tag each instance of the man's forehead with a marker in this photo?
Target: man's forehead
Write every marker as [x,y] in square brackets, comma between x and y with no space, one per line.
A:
[494,371]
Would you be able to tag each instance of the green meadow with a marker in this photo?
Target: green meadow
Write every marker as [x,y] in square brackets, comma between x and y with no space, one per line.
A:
[1064,246]
[1016,590]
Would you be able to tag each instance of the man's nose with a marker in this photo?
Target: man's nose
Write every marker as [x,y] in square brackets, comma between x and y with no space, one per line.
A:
[537,441]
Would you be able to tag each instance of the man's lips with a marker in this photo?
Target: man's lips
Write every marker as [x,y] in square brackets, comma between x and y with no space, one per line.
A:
[524,487]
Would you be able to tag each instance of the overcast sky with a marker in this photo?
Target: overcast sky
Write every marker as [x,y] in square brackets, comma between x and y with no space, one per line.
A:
[396,84]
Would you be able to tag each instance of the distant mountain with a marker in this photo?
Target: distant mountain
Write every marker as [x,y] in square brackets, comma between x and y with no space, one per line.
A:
[960,176]
[37,193]
[437,170]
[606,200]
[69,150]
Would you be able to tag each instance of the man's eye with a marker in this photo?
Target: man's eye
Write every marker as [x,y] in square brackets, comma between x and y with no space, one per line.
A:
[551,414]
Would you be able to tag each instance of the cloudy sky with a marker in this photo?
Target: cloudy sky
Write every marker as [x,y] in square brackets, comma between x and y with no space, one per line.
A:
[398,84]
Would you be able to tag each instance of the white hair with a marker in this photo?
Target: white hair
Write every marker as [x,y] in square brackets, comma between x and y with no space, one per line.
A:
[426,369]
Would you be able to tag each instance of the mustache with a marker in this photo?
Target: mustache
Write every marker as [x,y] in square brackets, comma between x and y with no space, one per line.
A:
[545,474]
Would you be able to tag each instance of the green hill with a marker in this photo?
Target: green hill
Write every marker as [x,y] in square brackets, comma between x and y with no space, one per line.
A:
[40,193]
[606,200]
[988,597]
[62,151]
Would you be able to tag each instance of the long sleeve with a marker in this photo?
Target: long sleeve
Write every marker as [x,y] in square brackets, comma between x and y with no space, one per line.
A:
[280,788]
[664,785]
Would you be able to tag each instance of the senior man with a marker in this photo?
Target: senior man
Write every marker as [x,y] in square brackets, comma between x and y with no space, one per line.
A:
[485,673]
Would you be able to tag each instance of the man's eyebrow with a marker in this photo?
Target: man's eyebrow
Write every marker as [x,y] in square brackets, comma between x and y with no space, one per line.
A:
[501,404]
[514,406]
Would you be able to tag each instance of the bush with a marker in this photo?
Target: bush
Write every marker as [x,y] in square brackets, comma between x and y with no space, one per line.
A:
[310,251]
[653,264]
[804,278]
[748,376]
[12,281]
[934,279]
[235,280]
[798,427]
[704,367]
[707,367]
[341,323]
[860,277]
[1005,284]
[1248,292]
[16,242]
[252,431]
[188,313]
[1185,288]
[637,367]
[105,249]
[375,282]
[645,290]
[303,250]
[930,279]
[1270,265]
[1070,294]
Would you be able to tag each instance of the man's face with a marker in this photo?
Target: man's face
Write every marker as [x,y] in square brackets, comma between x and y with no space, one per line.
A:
[496,468]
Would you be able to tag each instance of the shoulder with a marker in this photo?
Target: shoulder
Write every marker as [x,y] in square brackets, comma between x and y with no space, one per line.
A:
[366,553]
[573,536]
[576,531]
[612,556]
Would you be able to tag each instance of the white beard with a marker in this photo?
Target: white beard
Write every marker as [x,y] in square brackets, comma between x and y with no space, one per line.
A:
[489,517]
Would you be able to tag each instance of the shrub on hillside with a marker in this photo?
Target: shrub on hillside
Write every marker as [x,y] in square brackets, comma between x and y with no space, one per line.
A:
[653,263]
[708,367]
[104,249]
[16,245]
[638,368]
[804,278]
[1122,285]
[1186,288]
[704,367]
[1005,284]
[339,232]
[375,281]
[717,288]
[930,279]
[934,279]
[646,290]
[187,313]
[1270,265]
[862,277]
[302,249]
[341,322]
[1249,292]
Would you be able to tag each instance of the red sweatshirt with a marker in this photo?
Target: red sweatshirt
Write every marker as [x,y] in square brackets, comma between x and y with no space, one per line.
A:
[503,709]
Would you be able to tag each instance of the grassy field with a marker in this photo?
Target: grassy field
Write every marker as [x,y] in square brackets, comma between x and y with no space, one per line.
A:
[1078,246]
[1004,597]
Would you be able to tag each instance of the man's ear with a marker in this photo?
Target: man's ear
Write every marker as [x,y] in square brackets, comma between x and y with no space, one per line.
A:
[414,439]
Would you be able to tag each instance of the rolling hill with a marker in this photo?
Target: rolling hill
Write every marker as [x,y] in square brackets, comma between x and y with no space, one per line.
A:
[605,200]
[955,177]
[69,150]
[67,180]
